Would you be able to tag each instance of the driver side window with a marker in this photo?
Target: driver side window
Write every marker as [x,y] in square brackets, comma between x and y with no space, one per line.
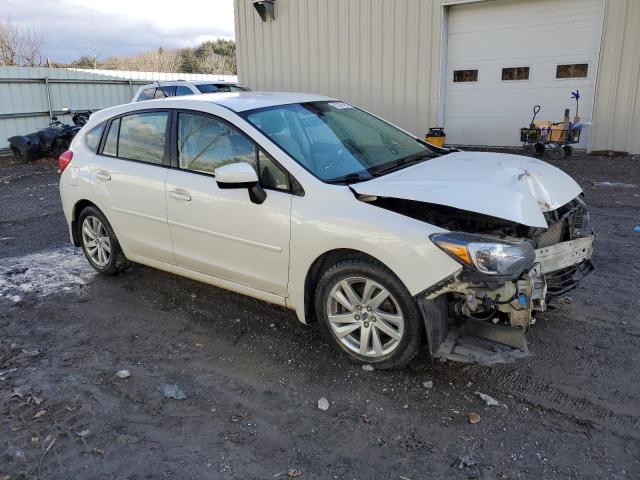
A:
[206,143]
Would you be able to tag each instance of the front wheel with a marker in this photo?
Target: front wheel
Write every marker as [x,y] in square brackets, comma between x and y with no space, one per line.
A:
[99,242]
[369,314]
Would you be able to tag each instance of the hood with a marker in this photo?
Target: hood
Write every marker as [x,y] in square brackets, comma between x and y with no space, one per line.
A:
[511,187]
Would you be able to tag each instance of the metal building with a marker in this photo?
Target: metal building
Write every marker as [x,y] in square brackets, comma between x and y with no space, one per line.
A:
[476,67]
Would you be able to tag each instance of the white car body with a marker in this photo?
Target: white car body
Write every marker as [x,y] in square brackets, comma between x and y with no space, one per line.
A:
[181,222]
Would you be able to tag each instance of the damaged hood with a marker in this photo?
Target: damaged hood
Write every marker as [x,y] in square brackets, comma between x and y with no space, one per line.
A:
[511,187]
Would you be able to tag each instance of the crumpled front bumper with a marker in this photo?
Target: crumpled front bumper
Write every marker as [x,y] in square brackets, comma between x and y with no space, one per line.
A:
[558,269]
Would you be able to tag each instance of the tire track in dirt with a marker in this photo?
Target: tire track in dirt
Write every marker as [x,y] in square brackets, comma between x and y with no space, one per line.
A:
[567,400]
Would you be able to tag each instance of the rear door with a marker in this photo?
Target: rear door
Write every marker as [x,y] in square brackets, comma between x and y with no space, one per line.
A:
[128,176]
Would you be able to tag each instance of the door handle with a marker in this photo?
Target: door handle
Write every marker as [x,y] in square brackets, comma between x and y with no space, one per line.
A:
[102,175]
[180,195]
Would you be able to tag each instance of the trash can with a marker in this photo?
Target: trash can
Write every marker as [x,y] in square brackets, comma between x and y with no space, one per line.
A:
[436,136]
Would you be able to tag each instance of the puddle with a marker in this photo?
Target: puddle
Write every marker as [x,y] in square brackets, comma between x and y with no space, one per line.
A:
[43,273]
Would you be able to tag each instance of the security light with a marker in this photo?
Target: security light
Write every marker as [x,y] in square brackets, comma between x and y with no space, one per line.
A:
[265,8]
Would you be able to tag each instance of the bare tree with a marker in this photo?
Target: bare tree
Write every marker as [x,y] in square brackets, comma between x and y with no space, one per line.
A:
[19,46]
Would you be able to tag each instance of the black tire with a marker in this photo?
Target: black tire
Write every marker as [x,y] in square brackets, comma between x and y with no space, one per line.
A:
[539,148]
[117,261]
[568,150]
[412,339]
[19,155]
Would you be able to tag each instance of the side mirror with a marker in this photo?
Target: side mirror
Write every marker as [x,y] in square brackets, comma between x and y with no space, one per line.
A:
[240,175]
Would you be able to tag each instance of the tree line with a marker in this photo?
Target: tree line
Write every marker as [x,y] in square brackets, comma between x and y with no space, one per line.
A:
[212,56]
[22,47]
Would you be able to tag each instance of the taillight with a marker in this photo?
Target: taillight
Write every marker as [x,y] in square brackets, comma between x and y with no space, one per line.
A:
[64,159]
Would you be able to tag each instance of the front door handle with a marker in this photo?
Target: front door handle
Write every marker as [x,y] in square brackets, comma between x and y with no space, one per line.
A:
[102,175]
[180,195]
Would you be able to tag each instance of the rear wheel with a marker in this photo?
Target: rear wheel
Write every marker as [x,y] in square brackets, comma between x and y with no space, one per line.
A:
[99,242]
[19,155]
[369,314]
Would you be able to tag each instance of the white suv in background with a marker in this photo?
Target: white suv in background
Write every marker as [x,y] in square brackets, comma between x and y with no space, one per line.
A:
[178,88]
[311,203]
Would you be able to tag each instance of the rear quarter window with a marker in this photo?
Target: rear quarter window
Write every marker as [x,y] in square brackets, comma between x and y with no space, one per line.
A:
[93,136]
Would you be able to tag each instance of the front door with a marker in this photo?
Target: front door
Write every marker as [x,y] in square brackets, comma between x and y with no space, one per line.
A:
[221,232]
[128,179]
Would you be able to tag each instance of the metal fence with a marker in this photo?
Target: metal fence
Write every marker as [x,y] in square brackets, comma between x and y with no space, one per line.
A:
[29,97]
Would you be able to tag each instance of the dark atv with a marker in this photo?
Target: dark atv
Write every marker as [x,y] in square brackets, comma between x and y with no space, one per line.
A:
[50,141]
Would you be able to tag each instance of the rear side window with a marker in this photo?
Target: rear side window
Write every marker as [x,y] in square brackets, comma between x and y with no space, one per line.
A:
[182,90]
[92,138]
[146,94]
[165,91]
[207,88]
[142,137]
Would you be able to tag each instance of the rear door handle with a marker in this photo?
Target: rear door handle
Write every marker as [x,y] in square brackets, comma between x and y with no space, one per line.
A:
[102,175]
[180,195]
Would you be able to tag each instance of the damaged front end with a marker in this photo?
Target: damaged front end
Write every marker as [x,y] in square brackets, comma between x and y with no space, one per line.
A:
[510,272]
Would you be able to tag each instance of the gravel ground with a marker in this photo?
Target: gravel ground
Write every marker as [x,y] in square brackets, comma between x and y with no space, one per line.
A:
[252,374]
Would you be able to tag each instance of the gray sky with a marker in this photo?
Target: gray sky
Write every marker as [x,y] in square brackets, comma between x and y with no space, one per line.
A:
[120,27]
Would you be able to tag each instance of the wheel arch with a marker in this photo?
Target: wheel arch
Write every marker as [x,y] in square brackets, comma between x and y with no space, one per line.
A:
[319,266]
[75,214]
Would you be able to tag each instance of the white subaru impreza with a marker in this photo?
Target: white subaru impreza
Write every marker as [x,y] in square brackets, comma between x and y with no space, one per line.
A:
[311,203]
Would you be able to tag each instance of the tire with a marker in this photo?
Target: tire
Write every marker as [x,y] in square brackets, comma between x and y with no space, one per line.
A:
[568,150]
[557,152]
[539,148]
[99,242]
[19,155]
[386,334]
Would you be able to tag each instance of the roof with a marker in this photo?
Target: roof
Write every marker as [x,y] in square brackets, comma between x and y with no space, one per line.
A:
[234,101]
[242,101]
[168,83]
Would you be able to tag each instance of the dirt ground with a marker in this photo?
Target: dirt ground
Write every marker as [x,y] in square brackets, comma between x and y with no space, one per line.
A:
[252,374]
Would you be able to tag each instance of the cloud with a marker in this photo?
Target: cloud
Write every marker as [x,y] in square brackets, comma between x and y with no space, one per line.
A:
[69,28]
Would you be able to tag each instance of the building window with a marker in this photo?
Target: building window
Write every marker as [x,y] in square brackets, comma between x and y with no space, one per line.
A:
[574,70]
[465,76]
[515,73]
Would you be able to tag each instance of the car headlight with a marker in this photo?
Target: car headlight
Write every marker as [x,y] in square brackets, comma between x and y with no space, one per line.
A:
[487,255]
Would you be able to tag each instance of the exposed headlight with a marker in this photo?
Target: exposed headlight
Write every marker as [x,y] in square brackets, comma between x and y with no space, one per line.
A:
[487,255]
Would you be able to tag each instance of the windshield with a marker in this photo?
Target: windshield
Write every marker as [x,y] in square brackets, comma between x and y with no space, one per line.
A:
[337,142]
[213,88]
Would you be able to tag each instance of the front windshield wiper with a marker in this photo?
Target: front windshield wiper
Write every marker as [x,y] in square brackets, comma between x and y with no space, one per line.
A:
[401,163]
[350,178]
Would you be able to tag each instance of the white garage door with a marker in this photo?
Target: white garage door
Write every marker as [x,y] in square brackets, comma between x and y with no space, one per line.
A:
[505,56]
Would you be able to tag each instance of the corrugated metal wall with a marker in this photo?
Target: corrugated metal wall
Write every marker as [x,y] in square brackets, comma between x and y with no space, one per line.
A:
[384,55]
[23,91]
[379,54]
[616,123]
[24,104]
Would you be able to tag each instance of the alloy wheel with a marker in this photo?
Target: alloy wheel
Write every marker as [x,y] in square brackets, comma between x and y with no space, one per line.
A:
[365,317]
[96,241]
